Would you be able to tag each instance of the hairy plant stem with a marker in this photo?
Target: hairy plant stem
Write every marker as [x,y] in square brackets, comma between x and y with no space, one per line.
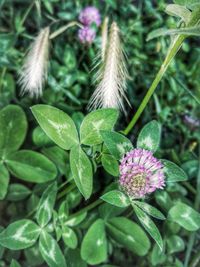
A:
[190,187]
[27,12]
[196,260]
[60,195]
[197,99]
[196,206]
[171,54]
[64,28]
[2,77]
[87,208]
[63,184]
[173,49]
[67,190]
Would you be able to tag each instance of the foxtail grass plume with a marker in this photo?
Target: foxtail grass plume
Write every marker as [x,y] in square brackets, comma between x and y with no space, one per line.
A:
[111,77]
[141,173]
[104,37]
[34,69]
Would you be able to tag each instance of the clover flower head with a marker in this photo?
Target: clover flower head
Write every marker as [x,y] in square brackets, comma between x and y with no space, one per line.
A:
[89,15]
[141,173]
[86,35]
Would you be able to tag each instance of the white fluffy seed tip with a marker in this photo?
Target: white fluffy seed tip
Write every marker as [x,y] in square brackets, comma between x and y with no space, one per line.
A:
[34,70]
[104,38]
[111,77]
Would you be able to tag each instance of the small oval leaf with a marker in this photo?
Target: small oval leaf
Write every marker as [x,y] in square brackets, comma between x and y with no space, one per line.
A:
[51,251]
[149,137]
[149,225]
[4,181]
[116,143]
[69,237]
[96,121]
[73,221]
[129,234]
[15,263]
[173,172]
[175,244]
[19,235]
[31,166]
[94,245]
[46,205]
[152,211]
[40,138]
[185,216]
[110,164]
[81,168]
[116,198]
[17,192]
[178,11]
[13,124]
[57,125]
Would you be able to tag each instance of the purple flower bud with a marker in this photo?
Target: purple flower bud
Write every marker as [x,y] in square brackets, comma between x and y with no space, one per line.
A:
[140,173]
[86,35]
[89,15]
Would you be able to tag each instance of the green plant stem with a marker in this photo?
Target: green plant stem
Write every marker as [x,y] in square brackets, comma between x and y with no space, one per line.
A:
[196,260]
[189,249]
[188,91]
[27,12]
[63,193]
[31,213]
[64,184]
[87,208]
[67,190]
[174,48]
[2,77]
[190,187]
[64,28]
[196,206]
